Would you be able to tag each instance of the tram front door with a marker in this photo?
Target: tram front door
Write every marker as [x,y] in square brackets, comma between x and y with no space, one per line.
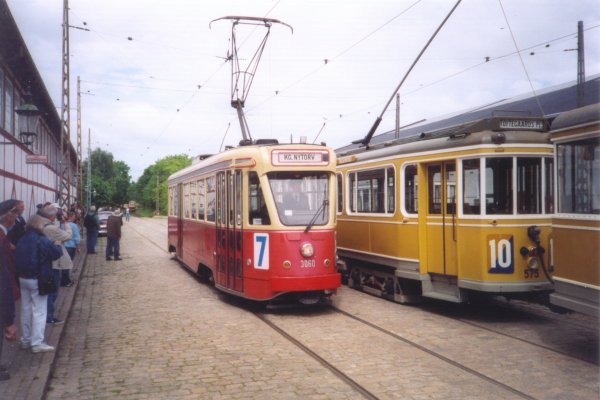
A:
[229,231]
[441,218]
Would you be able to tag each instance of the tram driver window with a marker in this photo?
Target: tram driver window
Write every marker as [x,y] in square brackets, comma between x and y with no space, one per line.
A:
[499,186]
[258,213]
[471,192]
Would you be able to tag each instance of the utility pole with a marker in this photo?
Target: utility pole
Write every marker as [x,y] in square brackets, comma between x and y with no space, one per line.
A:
[580,64]
[64,167]
[397,115]
[89,171]
[79,155]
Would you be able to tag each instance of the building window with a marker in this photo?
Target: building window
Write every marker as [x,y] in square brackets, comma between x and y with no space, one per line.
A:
[9,108]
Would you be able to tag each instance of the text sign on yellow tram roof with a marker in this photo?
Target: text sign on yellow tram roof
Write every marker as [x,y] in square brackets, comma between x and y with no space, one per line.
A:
[300,157]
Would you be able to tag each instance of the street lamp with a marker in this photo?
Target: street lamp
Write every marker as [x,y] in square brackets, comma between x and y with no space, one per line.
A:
[29,117]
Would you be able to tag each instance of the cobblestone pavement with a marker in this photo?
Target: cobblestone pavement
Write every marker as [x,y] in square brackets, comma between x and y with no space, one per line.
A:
[143,328]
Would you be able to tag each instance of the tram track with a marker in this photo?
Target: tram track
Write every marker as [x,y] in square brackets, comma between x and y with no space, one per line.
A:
[366,393]
[351,369]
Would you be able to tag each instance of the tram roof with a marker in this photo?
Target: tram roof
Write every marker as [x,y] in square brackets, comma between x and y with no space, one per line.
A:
[553,101]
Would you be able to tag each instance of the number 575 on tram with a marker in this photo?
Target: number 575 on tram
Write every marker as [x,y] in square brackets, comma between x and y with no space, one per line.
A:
[258,221]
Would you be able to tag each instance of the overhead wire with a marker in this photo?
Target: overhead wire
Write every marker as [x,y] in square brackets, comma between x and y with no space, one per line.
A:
[521,58]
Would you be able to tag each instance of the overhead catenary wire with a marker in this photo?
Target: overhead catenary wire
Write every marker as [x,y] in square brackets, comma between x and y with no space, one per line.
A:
[512,35]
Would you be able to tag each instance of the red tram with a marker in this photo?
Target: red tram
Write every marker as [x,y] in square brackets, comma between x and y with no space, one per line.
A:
[257,221]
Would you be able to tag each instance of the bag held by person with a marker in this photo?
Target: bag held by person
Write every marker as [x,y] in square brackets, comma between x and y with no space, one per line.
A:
[46,285]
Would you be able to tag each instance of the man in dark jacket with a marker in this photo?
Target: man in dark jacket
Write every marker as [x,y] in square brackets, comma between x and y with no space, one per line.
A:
[113,236]
[92,226]
[33,258]
[7,309]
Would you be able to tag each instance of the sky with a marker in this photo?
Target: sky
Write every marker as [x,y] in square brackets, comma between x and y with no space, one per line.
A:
[155,80]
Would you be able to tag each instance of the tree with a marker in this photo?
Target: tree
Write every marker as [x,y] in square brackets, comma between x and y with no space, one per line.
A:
[146,189]
[110,179]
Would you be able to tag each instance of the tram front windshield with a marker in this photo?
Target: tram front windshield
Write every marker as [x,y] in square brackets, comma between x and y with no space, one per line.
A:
[301,197]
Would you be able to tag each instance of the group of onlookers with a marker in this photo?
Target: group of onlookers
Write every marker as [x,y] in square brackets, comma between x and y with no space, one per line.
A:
[36,257]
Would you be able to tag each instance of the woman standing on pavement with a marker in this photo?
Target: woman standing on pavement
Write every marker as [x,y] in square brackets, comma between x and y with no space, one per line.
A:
[33,259]
[71,246]
[56,230]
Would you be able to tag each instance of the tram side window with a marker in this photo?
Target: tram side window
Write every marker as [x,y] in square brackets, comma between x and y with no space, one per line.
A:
[210,198]
[193,199]
[186,200]
[171,211]
[257,209]
[578,169]
[411,205]
[201,199]
[471,190]
[340,194]
[368,191]
[498,182]
[529,185]
[391,190]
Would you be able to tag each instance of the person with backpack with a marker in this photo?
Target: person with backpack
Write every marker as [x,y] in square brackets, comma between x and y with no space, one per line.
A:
[92,226]
[33,261]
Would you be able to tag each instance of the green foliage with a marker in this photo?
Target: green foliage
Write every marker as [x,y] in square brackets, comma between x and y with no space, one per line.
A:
[110,179]
[154,179]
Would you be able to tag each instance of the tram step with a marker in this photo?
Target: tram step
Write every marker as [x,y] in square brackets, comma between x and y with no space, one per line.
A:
[442,289]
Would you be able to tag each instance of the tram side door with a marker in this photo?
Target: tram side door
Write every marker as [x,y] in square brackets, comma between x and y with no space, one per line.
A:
[229,232]
[441,218]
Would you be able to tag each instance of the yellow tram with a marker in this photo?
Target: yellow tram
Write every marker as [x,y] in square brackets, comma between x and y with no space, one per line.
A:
[449,214]
[576,224]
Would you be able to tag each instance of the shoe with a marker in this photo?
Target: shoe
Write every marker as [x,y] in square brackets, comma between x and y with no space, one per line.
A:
[41,348]
[108,258]
[24,345]
[118,258]
[55,321]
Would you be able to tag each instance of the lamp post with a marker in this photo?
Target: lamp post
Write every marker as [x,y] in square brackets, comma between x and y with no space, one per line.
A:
[29,117]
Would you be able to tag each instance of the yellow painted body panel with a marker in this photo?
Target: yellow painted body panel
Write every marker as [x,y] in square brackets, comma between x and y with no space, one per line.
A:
[577,251]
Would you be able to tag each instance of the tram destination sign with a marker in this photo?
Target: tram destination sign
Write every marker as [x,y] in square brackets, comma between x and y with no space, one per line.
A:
[299,157]
[522,124]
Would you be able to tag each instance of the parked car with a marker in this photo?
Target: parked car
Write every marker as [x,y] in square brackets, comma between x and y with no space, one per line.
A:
[103,217]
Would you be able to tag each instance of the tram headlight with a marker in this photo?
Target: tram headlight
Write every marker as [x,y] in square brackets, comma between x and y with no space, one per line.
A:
[307,250]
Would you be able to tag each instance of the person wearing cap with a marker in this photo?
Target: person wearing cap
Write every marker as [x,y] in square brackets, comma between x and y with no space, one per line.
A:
[8,216]
[113,236]
[18,229]
[92,226]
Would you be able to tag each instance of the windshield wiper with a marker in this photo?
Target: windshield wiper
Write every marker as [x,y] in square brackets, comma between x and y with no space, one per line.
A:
[314,218]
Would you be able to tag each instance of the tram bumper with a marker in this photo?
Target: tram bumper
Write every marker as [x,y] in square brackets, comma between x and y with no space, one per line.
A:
[305,283]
